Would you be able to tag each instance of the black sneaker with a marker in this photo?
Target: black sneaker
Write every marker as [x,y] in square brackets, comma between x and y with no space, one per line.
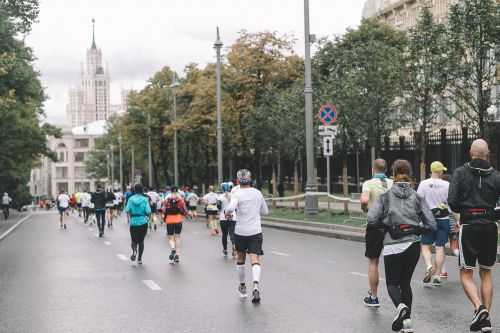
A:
[402,314]
[480,315]
[242,290]
[224,252]
[132,257]
[155,227]
[256,296]
[65,227]
[486,325]
[171,257]
[371,302]
[139,261]
[176,258]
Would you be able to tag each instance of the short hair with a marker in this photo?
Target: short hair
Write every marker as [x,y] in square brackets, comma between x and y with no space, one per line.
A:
[380,165]
[402,171]
[138,188]
[479,149]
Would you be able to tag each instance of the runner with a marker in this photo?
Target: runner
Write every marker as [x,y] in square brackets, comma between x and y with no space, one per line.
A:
[6,201]
[175,210]
[374,238]
[78,203]
[227,222]
[434,190]
[210,200]
[154,199]
[192,201]
[110,207]
[250,205]
[85,204]
[100,199]
[62,205]
[139,210]
[72,203]
[474,193]
[404,215]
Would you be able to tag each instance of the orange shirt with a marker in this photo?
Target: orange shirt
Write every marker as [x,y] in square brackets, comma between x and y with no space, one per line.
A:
[172,219]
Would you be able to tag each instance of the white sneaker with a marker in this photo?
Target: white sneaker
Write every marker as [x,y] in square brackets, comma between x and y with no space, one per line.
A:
[407,326]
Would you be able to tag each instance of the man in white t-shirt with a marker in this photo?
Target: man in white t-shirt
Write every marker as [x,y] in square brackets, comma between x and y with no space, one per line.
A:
[85,202]
[210,201]
[250,205]
[155,201]
[62,206]
[435,192]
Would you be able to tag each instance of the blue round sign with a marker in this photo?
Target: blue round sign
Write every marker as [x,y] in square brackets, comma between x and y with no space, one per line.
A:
[328,114]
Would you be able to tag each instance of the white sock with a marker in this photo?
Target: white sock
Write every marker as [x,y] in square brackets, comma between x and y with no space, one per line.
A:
[256,273]
[456,252]
[241,272]
[443,270]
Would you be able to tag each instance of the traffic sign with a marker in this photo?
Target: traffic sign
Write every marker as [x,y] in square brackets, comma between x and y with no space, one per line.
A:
[328,114]
[327,146]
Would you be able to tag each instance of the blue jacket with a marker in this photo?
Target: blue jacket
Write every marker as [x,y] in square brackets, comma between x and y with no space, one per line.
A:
[139,209]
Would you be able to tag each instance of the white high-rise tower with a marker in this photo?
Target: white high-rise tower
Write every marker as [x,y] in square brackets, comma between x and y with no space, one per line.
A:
[90,102]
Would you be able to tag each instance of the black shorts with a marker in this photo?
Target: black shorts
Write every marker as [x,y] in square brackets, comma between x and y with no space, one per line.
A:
[191,208]
[212,212]
[249,244]
[154,210]
[174,228]
[79,205]
[374,242]
[478,244]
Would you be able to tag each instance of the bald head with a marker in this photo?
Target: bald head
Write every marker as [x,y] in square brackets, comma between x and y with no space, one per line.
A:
[479,150]
[379,165]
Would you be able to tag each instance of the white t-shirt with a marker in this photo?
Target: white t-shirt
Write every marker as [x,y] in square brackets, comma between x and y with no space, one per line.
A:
[210,198]
[434,191]
[6,200]
[192,199]
[250,204]
[63,200]
[85,199]
[155,198]
[225,199]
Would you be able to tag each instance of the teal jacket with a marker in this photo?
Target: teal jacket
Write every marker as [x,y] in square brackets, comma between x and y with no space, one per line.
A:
[139,209]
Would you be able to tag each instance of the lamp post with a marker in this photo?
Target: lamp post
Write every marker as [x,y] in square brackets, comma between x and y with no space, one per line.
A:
[218,46]
[174,85]
[121,161]
[311,207]
[112,167]
[150,159]
[132,166]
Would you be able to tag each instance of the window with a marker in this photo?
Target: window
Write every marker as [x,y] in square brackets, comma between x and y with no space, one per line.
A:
[79,156]
[81,143]
[82,186]
[61,172]
[80,172]
[61,157]
[61,187]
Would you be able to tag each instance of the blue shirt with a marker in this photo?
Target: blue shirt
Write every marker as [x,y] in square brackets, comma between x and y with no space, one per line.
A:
[139,209]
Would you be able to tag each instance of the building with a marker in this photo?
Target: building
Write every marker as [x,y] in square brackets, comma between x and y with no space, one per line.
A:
[403,14]
[69,172]
[91,100]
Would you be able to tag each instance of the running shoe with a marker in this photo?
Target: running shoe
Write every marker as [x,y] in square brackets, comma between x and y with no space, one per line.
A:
[132,257]
[371,301]
[444,276]
[172,255]
[401,315]
[480,316]
[428,274]
[242,290]
[486,326]
[155,227]
[65,227]
[255,296]
[436,281]
[176,259]
[139,261]
[407,326]
[224,252]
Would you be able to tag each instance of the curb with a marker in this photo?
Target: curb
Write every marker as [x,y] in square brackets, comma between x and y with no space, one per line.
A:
[14,227]
[326,230]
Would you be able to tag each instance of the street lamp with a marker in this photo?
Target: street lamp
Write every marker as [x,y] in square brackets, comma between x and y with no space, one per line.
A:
[150,159]
[121,160]
[311,207]
[217,46]
[112,167]
[174,85]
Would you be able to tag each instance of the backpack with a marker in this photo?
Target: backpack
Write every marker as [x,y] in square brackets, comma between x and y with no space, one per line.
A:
[403,216]
[172,206]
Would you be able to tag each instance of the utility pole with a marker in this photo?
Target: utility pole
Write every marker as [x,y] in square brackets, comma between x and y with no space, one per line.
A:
[150,159]
[311,207]
[176,161]
[218,46]
[121,161]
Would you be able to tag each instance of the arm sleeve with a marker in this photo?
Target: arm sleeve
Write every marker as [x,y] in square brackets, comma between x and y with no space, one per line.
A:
[453,192]
[264,210]
[376,212]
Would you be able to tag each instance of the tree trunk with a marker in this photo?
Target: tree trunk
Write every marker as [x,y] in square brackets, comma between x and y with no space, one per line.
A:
[345,184]
[296,183]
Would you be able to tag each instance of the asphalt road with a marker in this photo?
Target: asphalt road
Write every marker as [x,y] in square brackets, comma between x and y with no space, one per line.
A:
[14,217]
[71,281]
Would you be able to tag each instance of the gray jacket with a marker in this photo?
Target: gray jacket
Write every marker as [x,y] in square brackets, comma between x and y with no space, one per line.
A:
[413,211]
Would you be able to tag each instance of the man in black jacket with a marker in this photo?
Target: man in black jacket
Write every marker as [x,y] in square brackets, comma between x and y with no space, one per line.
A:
[99,199]
[474,193]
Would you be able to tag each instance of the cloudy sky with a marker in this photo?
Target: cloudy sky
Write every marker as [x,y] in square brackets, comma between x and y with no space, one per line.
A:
[138,37]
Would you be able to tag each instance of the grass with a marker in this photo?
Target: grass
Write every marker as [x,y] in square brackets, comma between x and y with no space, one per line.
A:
[332,217]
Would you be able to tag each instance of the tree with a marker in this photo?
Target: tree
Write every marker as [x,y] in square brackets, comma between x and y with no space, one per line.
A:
[474,54]
[426,79]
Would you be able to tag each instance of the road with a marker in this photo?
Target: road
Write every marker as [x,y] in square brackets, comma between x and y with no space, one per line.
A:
[71,281]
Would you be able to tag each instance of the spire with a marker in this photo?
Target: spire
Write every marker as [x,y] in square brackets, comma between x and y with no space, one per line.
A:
[93,34]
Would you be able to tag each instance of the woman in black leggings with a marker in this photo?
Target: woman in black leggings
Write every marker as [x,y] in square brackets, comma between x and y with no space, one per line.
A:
[139,210]
[405,216]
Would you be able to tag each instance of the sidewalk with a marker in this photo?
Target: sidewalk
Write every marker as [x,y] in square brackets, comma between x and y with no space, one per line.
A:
[325,229]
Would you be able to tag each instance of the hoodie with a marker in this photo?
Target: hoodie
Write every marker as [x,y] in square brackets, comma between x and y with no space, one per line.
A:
[139,209]
[401,205]
[474,192]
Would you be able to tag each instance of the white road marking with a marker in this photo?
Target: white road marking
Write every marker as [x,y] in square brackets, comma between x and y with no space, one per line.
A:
[152,285]
[282,254]
[107,243]
[122,257]
[5,234]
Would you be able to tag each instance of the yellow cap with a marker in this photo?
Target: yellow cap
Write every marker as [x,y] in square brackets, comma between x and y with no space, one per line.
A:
[438,167]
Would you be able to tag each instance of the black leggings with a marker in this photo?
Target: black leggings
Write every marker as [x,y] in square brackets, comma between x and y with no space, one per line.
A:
[100,215]
[86,213]
[399,270]
[227,228]
[137,233]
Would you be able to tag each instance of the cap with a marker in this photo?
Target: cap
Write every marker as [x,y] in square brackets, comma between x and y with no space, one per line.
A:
[244,177]
[437,166]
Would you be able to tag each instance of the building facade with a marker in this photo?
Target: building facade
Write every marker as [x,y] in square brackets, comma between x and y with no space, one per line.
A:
[90,101]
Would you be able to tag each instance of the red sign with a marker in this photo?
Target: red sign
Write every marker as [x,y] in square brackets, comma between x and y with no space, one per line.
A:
[328,114]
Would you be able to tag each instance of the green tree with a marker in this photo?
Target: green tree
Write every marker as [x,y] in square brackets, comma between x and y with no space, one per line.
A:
[473,53]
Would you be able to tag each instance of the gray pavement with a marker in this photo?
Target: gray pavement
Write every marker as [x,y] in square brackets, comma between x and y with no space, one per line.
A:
[71,281]
[14,217]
